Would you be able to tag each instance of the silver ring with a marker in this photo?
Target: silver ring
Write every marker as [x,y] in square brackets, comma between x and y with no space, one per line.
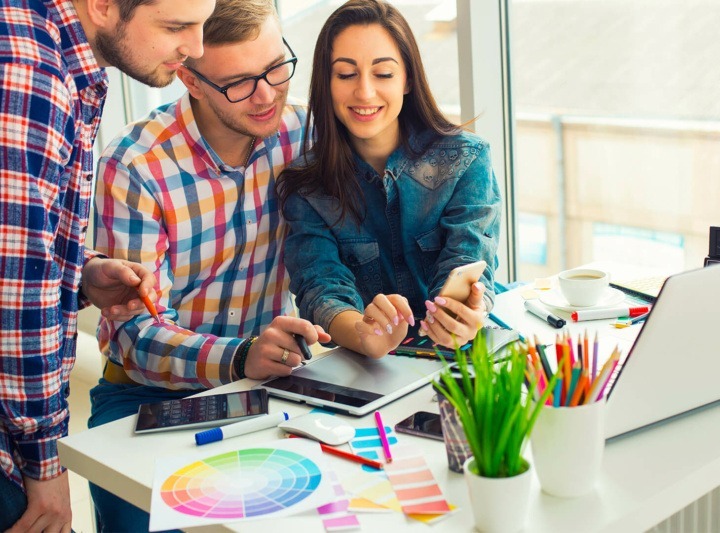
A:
[284,357]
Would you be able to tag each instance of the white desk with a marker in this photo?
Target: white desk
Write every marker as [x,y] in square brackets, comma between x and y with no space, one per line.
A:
[646,477]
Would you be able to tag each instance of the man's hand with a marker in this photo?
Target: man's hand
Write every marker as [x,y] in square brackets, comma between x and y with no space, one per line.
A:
[113,285]
[447,330]
[48,506]
[275,352]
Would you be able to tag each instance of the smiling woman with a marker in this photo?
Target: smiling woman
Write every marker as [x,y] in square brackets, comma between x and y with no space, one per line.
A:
[391,198]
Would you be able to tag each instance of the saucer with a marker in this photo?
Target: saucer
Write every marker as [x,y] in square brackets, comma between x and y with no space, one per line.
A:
[554,298]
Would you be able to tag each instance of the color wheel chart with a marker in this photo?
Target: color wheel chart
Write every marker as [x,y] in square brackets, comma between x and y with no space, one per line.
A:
[256,482]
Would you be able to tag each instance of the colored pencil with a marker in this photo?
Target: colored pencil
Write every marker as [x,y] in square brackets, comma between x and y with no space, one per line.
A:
[609,377]
[579,390]
[599,382]
[346,455]
[593,372]
[567,372]
[557,393]
[575,377]
[383,437]
[151,308]
[543,360]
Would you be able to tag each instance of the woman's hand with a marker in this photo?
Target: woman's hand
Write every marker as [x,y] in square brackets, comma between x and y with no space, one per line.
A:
[451,331]
[384,324]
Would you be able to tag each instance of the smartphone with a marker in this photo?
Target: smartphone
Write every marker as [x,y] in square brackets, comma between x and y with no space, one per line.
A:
[422,424]
[201,412]
[460,280]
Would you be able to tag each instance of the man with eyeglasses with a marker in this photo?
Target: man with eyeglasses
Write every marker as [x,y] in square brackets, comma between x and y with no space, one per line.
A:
[189,192]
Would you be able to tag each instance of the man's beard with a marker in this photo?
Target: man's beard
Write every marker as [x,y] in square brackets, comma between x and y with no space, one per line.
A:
[114,50]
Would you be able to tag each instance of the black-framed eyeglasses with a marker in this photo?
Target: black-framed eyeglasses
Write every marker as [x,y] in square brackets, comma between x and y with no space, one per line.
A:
[244,88]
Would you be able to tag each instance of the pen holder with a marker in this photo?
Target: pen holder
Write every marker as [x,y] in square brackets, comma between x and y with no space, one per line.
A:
[567,448]
[456,445]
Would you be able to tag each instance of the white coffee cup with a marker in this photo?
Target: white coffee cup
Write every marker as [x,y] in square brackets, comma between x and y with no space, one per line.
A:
[583,287]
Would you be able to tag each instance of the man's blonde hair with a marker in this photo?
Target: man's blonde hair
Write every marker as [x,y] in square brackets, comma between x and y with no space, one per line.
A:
[235,21]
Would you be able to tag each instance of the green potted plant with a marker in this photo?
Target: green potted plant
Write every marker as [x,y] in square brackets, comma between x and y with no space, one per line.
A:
[497,417]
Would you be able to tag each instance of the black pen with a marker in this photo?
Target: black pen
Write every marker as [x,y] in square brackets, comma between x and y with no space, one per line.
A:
[539,311]
[304,350]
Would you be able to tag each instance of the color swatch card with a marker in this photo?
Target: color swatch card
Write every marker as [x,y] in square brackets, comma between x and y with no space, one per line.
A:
[336,515]
[414,483]
[276,479]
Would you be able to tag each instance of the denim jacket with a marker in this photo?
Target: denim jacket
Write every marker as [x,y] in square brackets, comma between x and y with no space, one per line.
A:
[424,216]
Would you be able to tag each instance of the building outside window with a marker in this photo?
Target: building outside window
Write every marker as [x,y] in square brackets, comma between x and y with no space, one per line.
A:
[612,114]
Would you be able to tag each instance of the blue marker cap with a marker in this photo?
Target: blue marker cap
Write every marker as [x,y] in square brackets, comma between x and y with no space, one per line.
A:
[211,435]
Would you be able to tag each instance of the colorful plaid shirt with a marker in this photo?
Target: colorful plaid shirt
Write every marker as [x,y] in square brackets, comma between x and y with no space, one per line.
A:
[212,234]
[51,96]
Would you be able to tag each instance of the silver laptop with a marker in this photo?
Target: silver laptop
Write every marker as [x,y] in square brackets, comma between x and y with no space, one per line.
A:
[350,383]
[673,366]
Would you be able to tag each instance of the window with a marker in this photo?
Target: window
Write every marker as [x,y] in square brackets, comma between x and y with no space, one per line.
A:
[616,129]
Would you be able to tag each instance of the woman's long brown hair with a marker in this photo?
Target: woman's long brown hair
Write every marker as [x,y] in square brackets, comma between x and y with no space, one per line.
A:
[332,167]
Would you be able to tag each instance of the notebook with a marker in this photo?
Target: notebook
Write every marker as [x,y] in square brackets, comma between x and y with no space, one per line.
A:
[645,290]
[354,384]
[674,363]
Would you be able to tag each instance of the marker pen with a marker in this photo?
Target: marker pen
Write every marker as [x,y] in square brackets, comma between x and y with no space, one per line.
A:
[540,312]
[611,312]
[240,428]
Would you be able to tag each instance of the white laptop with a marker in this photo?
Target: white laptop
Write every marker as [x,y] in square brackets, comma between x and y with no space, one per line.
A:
[673,366]
[350,383]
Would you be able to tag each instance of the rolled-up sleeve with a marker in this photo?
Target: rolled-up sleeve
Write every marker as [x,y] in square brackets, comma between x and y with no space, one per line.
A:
[323,286]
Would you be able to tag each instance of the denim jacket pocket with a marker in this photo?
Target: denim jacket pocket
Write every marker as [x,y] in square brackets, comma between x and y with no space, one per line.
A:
[430,244]
[362,257]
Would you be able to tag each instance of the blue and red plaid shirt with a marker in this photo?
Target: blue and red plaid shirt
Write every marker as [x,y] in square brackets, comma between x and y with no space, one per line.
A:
[51,96]
[213,235]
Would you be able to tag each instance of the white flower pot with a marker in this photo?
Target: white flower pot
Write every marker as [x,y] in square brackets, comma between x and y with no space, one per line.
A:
[499,505]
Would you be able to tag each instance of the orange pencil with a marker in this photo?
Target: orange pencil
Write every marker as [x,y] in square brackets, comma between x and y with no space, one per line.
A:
[151,308]
[579,389]
[586,356]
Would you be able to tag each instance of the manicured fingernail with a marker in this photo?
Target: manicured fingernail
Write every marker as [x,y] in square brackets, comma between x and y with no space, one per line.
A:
[430,306]
[377,331]
[440,300]
[478,285]
[411,320]
[396,320]
[430,318]
[388,328]
[423,329]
